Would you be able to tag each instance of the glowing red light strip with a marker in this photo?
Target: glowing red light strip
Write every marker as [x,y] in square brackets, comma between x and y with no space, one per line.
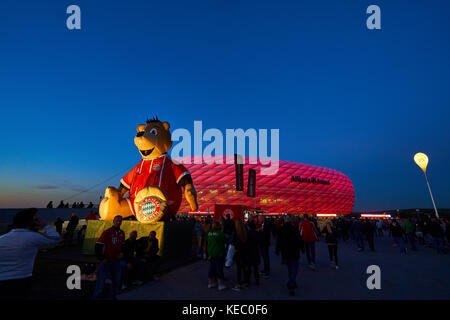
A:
[326,215]
[200,212]
[374,215]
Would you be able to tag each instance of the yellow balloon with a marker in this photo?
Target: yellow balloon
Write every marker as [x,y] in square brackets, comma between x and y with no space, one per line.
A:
[421,160]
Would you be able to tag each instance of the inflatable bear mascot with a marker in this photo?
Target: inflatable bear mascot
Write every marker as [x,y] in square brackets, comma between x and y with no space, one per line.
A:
[155,185]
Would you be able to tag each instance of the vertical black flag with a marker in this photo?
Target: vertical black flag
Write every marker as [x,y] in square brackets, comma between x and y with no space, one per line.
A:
[239,166]
[251,188]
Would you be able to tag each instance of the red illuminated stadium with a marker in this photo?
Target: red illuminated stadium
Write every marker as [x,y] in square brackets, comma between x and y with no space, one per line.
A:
[296,188]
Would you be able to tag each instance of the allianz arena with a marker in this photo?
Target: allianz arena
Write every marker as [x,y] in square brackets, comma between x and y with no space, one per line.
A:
[295,189]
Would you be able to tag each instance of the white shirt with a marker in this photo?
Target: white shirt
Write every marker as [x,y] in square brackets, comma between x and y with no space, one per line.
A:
[18,249]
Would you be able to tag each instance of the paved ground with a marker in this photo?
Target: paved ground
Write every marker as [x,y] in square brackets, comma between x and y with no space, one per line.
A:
[417,275]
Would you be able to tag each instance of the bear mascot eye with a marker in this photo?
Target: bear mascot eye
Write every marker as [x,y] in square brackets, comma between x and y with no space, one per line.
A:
[154,131]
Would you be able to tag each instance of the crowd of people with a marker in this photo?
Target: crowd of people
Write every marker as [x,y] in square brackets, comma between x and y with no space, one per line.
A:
[246,243]
[67,205]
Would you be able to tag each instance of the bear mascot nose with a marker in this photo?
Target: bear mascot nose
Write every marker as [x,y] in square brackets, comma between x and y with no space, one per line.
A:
[140,134]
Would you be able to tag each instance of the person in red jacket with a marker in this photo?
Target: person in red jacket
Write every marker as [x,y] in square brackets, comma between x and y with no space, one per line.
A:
[309,234]
[108,250]
[91,216]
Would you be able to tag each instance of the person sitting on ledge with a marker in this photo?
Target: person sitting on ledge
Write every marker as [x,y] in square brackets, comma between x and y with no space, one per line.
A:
[147,252]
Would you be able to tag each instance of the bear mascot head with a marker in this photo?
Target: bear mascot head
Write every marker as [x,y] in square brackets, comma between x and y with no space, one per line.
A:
[152,190]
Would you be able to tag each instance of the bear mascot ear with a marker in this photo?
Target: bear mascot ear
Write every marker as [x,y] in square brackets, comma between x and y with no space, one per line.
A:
[166,125]
[140,128]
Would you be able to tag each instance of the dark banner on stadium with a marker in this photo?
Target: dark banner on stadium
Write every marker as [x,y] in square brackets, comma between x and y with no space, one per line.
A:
[239,166]
[251,188]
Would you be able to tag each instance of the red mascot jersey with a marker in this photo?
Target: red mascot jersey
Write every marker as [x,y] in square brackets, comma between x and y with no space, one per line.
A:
[161,172]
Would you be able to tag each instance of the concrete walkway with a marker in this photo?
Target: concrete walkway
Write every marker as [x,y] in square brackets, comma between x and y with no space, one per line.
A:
[416,275]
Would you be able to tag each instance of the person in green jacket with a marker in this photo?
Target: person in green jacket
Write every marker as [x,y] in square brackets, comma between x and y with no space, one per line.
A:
[216,241]
[409,229]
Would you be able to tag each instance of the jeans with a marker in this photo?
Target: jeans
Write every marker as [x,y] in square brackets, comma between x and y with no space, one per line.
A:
[113,268]
[292,265]
[265,256]
[216,268]
[310,248]
[412,240]
[399,242]
[359,240]
[438,244]
[136,272]
[332,253]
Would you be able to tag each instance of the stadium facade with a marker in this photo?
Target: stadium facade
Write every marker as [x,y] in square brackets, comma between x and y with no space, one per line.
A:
[295,189]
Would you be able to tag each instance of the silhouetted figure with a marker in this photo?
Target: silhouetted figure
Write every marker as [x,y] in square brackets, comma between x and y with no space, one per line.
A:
[73,223]
[90,205]
[50,205]
[60,205]
[81,234]
[74,205]
[66,205]
[81,205]
[58,224]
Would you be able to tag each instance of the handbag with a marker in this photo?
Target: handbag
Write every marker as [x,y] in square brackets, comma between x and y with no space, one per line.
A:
[230,256]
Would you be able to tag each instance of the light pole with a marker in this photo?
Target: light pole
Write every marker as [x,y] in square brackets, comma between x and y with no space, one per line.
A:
[421,160]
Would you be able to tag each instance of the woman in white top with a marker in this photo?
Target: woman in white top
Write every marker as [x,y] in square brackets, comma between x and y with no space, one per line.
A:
[18,250]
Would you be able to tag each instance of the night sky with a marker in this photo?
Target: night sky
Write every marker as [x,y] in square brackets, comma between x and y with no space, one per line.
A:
[360,101]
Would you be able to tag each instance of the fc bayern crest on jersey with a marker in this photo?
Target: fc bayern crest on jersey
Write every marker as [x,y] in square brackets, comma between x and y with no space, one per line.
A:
[149,209]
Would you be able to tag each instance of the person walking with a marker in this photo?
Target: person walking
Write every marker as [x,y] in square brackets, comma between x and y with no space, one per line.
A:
[216,243]
[108,250]
[437,233]
[241,251]
[18,250]
[380,225]
[206,228]
[397,235]
[289,244]
[409,228]
[331,240]
[369,231]
[310,236]
[253,259]
[358,231]
[265,234]
[199,236]
[58,225]
[70,229]
[228,229]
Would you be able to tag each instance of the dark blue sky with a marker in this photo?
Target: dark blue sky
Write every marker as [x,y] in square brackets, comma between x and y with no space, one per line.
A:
[359,101]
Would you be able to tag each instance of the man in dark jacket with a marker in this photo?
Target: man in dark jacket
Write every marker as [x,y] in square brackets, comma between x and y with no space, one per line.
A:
[71,226]
[289,244]
[437,233]
[59,224]
[252,260]
[265,231]
[133,267]
[229,229]
[369,232]
[358,231]
[147,251]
